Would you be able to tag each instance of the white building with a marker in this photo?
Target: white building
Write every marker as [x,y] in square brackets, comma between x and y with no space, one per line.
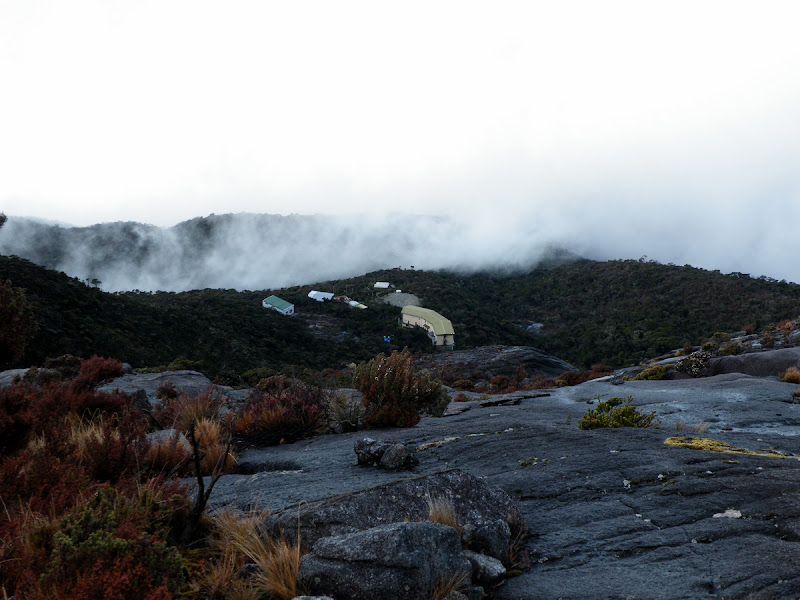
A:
[320,296]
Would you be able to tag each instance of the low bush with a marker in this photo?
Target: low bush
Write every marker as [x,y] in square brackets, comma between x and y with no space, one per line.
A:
[694,364]
[393,394]
[616,412]
[463,384]
[731,348]
[346,413]
[288,414]
[96,370]
[791,375]
[654,373]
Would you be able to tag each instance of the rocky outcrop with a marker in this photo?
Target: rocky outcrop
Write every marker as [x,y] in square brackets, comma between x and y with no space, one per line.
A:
[489,361]
[144,387]
[403,561]
[477,507]
[610,513]
[388,455]
[759,364]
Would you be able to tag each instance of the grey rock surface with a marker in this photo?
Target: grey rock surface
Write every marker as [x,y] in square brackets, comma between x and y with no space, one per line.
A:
[760,364]
[144,387]
[612,513]
[496,360]
[474,502]
[403,561]
[7,377]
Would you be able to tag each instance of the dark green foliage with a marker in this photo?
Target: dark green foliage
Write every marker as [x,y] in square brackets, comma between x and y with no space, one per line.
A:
[114,547]
[616,312]
[616,412]
[393,395]
[17,324]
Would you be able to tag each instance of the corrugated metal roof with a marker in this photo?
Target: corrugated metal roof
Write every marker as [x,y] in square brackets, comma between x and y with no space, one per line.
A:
[278,303]
[441,326]
[320,296]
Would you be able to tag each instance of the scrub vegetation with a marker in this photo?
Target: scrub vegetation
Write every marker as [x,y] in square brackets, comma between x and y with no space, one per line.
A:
[615,313]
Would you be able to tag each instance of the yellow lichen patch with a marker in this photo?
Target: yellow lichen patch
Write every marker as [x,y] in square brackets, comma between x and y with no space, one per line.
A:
[709,445]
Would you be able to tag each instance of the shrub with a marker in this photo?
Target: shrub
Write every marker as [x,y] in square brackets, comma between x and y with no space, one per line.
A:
[694,364]
[616,412]
[393,395]
[460,397]
[654,373]
[768,341]
[96,370]
[113,547]
[295,413]
[17,323]
[785,325]
[463,384]
[346,413]
[731,348]
[500,382]
[791,375]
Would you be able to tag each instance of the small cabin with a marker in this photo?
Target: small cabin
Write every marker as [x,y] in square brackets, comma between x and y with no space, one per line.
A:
[275,303]
[381,285]
[439,329]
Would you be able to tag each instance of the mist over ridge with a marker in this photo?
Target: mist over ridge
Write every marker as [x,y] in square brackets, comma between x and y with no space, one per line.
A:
[264,251]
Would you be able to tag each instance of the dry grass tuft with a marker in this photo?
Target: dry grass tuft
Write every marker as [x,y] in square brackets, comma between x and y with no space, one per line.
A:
[278,560]
[700,427]
[209,436]
[445,587]
[215,576]
[791,375]
[187,408]
[86,434]
[442,511]
[170,456]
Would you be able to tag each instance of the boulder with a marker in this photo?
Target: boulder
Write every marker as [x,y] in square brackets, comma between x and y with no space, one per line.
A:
[397,457]
[476,506]
[485,569]
[388,455]
[144,387]
[404,561]
[7,378]
[758,364]
[493,538]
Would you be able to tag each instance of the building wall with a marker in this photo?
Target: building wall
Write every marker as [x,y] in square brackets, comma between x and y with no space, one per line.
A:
[443,340]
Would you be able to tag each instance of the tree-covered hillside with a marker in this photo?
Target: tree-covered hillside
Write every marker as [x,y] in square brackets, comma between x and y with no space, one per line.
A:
[616,312]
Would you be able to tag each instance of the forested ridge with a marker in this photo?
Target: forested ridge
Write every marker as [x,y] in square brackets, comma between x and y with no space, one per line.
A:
[614,312]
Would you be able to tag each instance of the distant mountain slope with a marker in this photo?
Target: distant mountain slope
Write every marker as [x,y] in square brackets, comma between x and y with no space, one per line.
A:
[258,251]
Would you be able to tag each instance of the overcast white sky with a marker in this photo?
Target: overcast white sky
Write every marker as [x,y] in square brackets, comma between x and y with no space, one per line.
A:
[653,124]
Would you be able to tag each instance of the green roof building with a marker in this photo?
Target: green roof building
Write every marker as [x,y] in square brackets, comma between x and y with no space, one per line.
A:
[275,303]
[439,329]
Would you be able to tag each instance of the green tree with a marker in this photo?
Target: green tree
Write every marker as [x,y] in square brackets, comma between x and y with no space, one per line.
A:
[17,325]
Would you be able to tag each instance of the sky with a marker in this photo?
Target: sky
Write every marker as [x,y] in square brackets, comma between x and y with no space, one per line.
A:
[619,128]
